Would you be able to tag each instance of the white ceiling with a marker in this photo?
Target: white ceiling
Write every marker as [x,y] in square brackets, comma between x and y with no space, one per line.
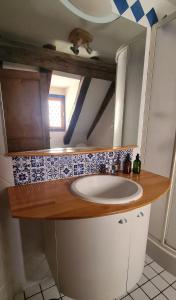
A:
[172,1]
[94,8]
[62,82]
[48,21]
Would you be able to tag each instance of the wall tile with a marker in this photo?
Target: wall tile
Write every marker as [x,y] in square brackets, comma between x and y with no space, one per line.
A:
[42,168]
[38,174]
[37,161]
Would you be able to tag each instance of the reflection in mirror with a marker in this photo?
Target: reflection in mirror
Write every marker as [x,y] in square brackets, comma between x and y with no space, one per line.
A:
[88,112]
[129,79]
[80,110]
[52,109]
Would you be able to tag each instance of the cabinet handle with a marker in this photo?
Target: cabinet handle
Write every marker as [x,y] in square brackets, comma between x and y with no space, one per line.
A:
[141,214]
[123,221]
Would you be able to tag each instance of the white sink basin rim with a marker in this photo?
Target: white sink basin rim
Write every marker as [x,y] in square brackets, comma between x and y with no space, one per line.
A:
[107,189]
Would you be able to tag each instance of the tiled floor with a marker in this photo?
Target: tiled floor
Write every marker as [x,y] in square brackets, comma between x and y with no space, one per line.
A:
[155,283]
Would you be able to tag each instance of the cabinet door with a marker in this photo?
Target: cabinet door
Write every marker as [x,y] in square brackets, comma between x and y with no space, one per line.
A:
[139,233]
[25,104]
[93,256]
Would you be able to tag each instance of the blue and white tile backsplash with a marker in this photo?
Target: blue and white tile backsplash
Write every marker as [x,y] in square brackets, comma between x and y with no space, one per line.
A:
[34,169]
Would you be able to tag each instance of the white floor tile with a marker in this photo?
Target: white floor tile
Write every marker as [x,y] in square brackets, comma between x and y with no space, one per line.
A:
[170,293]
[149,272]
[161,297]
[150,289]
[61,294]
[133,289]
[168,277]
[51,293]
[47,283]
[156,267]
[160,283]
[143,280]
[32,290]
[127,298]
[36,297]
[148,259]
[19,296]
[174,285]
[125,295]
[139,295]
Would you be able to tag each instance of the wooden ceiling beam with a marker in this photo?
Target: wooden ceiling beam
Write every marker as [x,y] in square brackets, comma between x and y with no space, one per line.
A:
[16,52]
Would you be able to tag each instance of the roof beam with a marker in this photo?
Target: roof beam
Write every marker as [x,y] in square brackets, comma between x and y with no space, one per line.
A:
[27,54]
[102,108]
[79,104]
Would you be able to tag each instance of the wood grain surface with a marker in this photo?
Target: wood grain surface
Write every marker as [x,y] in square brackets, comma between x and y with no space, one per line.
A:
[54,199]
[26,54]
[68,151]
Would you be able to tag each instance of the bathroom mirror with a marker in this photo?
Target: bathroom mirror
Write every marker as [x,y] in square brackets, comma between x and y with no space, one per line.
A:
[80,109]
[96,112]
[64,110]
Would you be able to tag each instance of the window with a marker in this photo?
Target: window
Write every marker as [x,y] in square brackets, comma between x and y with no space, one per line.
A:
[56,112]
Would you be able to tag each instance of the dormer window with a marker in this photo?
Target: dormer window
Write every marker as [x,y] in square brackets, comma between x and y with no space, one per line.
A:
[56,112]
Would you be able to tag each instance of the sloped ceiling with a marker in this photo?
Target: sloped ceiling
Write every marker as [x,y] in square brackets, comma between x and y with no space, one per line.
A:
[146,12]
[48,21]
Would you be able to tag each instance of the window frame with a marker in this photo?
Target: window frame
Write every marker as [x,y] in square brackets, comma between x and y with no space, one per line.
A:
[61,99]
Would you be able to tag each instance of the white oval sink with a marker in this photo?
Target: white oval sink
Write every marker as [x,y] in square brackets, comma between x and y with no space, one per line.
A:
[107,189]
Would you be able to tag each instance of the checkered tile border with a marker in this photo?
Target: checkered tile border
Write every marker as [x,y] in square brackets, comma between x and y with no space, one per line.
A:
[136,11]
[44,168]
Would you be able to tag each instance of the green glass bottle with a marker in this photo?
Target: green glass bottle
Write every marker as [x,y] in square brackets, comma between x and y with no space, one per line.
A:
[137,165]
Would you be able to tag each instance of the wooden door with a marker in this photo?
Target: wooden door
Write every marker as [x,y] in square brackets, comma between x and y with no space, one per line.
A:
[25,104]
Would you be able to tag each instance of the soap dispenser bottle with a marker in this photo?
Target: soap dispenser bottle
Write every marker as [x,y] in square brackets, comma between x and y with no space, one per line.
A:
[117,165]
[127,165]
[137,165]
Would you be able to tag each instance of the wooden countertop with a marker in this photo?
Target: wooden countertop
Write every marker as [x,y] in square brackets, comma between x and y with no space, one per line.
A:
[54,200]
[68,151]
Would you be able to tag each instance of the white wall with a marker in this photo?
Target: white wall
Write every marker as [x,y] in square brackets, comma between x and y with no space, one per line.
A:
[70,100]
[71,92]
[161,125]
[94,97]
[159,138]
[12,276]
[103,133]
[35,263]
[56,137]
[133,88]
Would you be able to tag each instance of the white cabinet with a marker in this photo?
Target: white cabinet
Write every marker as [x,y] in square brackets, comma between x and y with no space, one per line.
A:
[93,256]
[139,233]
[99,258]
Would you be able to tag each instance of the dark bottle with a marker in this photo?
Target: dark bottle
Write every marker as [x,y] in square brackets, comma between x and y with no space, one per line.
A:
[137,165]
[117,165]
[127,165]
[102,169]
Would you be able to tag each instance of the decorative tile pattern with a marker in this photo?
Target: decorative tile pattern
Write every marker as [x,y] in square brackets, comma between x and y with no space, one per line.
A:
[37,161]
[139,10]
[38,174]
[157,288]
[43,168]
